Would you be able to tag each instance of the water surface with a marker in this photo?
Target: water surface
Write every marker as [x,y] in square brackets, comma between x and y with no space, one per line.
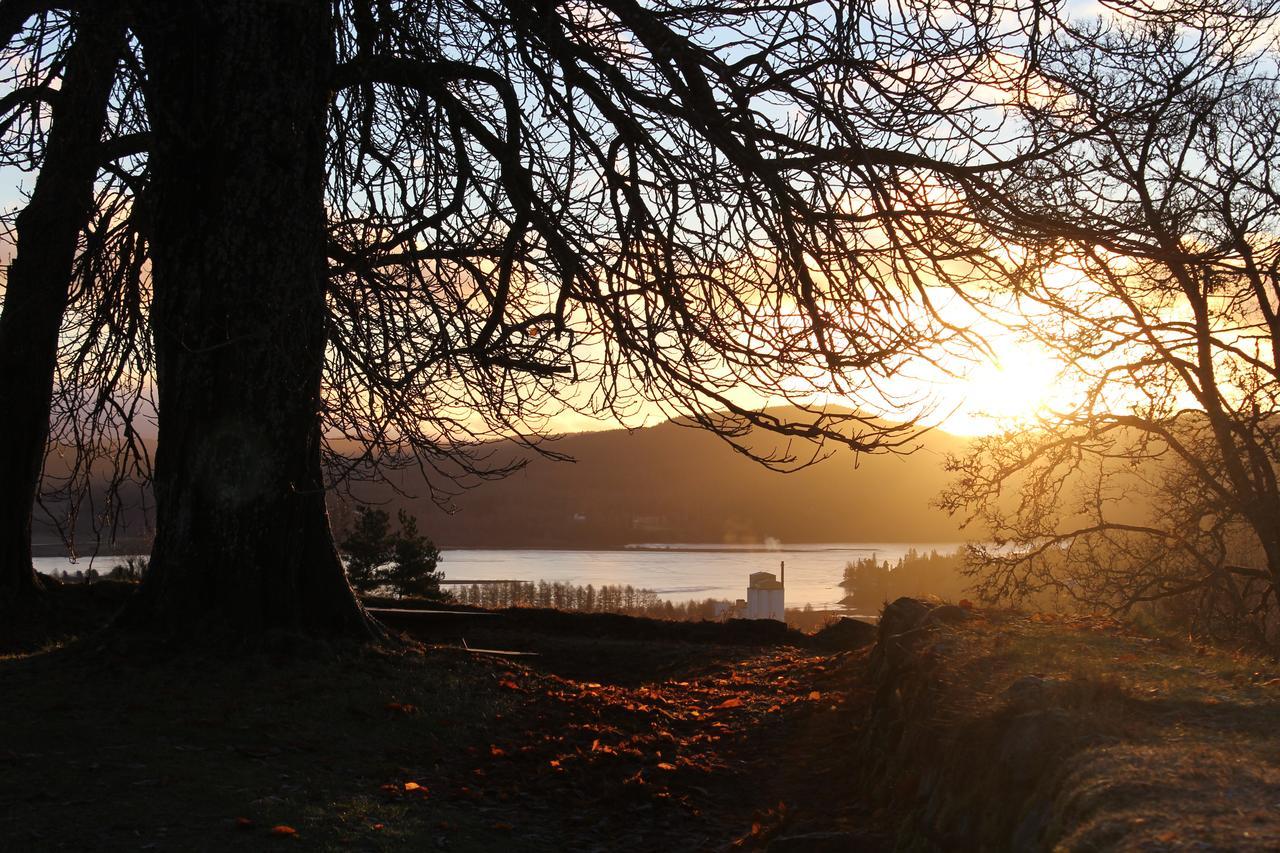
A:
[677,572]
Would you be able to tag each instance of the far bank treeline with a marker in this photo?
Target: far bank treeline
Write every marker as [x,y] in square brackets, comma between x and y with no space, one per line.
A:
[608,598]
[869,583]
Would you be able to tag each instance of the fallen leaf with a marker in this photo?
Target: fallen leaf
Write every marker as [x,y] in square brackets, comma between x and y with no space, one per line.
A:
[663,765]
[283,831]
[414,786]
[735,702]
[814,696]
[244,823]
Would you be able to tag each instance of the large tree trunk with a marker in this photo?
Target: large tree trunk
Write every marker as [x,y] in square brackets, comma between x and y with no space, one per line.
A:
[36,289]
[237,93]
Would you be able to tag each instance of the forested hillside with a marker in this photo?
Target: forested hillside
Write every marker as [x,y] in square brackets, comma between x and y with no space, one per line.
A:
[671,484]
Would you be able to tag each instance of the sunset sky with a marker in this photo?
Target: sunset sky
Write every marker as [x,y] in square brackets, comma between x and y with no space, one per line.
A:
[988,394]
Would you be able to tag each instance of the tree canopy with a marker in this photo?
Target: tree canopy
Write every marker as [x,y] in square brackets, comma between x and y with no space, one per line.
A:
[331,239]
[384,232]
[1150,275]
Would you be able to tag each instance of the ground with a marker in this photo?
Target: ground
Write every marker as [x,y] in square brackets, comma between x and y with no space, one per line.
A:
[601,742]
[627,734]
[1038,731]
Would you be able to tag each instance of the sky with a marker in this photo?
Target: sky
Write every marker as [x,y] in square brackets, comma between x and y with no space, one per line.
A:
[984,396]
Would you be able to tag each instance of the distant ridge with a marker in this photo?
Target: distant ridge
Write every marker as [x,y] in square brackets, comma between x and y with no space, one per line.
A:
[670,483]
[661,484]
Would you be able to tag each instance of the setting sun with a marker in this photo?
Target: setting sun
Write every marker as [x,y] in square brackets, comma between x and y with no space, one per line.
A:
[997,395]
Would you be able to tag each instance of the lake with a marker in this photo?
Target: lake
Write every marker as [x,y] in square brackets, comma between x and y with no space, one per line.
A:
[677,572]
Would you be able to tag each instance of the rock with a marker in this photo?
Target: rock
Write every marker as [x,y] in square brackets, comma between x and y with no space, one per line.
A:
[901,616]
[895,638]
[846,634]
[946,614]
[832,842]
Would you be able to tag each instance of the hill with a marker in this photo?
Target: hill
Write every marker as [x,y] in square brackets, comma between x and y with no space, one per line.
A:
[669,483]
[666,483]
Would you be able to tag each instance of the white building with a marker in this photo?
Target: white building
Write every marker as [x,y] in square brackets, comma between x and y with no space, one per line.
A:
[765,597]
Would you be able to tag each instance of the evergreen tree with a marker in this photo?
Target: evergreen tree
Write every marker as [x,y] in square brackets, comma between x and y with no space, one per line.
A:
[413,561]
[368,548]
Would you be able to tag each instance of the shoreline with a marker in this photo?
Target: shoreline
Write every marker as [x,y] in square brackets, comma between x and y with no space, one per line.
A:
[638,547]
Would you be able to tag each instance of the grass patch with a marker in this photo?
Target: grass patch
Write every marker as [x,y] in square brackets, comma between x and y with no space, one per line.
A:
[1171,743]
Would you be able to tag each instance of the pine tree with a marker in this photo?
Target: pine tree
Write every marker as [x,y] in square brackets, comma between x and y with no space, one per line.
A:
[368,548]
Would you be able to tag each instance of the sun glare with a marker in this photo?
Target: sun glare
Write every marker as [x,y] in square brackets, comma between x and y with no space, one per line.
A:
[1021,383]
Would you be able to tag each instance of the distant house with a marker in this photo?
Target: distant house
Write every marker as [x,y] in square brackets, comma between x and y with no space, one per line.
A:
[726,609]
[766,597]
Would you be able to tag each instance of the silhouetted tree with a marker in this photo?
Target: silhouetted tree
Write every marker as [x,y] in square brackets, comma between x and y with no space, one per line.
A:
[39,279]
[236,195]
[376,557]
[524,208]
[413,562]
[367,548]
[1152,261]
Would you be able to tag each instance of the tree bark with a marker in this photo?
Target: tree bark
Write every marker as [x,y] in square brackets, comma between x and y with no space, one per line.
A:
[236,93]
[37,287]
